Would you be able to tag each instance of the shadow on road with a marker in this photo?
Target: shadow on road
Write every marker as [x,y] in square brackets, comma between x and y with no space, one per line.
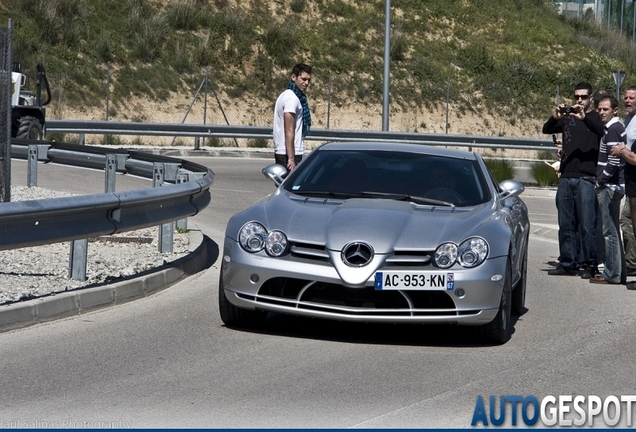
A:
[436,335]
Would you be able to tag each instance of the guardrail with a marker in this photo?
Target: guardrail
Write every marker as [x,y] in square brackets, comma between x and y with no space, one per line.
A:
[37,222]
[317,134]
[44,221]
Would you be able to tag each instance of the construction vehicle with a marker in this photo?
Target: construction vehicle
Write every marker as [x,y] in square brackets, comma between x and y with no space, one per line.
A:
[28,115]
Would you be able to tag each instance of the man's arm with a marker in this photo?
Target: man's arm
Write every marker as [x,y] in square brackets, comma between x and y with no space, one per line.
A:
[593,122]
[289,119]
[553,125]
[622,151]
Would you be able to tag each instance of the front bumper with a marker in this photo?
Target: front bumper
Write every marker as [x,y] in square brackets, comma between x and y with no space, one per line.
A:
[314,289]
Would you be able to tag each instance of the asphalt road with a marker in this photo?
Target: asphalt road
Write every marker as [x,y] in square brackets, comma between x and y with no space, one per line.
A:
[168,361]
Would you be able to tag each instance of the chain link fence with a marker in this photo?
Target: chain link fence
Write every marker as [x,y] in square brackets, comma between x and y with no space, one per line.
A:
[619,15]
[206,104]
[5,113]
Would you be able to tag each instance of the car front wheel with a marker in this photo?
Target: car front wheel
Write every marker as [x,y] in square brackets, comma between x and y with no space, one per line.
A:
[519,292]
[499,330]
[234,316]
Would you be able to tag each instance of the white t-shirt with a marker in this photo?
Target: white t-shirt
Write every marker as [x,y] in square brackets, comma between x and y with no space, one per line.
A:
[288,102]
[630,132]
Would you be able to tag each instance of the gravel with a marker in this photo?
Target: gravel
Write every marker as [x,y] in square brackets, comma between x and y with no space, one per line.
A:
[33,272]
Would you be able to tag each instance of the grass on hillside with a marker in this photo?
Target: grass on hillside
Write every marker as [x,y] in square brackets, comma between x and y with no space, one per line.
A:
[160,47]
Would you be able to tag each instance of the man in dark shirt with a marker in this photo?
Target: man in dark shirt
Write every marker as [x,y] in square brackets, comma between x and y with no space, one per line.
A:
[581,130]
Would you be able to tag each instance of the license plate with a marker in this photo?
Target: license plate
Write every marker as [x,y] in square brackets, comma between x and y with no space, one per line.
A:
[414,280]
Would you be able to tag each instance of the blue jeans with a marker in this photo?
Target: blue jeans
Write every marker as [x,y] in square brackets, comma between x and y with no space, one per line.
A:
[609,208]
[576,210]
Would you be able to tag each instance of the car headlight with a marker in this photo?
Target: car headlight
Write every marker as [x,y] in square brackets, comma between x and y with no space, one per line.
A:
[446,255]
[252,237]
[276,244]
[472,252]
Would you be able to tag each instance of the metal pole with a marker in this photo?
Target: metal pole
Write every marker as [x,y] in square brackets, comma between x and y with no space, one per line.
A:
[622,13]
[205,100]
[609,12]
[107,98]
[5,166]
[447,101]
[329,99]
[387,62]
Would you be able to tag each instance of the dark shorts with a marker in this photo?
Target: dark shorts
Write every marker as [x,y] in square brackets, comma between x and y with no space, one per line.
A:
[281,159]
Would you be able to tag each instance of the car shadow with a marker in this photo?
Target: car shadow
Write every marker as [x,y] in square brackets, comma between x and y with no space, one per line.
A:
[434,335]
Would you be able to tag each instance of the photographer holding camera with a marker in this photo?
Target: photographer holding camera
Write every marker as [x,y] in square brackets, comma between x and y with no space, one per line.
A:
[581,130]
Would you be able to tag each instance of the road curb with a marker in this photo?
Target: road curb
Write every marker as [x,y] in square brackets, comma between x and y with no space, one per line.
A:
[61,305]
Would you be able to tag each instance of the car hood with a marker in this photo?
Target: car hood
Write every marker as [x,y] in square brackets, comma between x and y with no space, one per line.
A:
[385,224]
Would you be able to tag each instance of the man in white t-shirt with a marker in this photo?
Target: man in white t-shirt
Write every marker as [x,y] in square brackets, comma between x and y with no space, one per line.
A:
[292,120]
[626,151]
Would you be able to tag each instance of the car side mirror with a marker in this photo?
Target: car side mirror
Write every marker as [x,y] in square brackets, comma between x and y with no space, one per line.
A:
[511,188]
[276,173]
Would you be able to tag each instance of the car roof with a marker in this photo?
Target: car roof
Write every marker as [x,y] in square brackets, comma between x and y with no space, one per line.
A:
[398,147]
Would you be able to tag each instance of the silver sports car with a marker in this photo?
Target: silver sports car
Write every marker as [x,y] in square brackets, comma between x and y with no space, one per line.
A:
[381,232]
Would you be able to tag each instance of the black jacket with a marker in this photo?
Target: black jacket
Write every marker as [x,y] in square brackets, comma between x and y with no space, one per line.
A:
[580,143]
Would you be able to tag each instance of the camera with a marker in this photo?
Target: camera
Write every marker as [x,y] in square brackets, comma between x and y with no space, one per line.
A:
[566,110]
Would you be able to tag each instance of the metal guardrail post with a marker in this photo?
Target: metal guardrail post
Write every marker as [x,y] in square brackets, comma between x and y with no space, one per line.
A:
[157,174]
[166,236]
[78,260]
[182,224]
[82,139]
[111,173]
[32,167]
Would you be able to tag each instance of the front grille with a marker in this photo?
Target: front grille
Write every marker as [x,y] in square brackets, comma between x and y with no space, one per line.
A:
[312,295]
[314,252]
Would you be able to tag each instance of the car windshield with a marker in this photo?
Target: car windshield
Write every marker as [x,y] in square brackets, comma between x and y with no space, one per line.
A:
[419,178]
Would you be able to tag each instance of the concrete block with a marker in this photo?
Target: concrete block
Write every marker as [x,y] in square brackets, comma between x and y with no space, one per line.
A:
[154,282]
[129,290]
[17,315]
[95,297]
[56,306]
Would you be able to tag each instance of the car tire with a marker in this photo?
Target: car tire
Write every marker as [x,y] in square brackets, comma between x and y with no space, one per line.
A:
[233,316]
[519,291]
[499,330]
[30,128]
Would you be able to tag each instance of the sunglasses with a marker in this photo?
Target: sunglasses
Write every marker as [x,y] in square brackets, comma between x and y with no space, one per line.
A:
[581,96]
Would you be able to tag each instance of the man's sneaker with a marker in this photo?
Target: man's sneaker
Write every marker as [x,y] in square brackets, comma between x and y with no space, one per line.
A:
[560,271]
[587,273]
[555,263]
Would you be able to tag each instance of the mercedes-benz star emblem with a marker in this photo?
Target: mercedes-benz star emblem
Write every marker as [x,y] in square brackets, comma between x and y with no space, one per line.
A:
[357,254]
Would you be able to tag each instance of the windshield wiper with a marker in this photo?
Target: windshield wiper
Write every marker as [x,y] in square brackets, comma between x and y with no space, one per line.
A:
[407,197]
[333,194]
[367,194]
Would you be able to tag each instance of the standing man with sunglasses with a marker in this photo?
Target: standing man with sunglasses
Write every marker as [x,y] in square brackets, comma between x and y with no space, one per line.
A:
[581,130]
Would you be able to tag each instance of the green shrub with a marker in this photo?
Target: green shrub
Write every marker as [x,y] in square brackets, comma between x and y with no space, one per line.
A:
[257,143]
[543,174]
[220,142]
[298,5]
[546,154]
[114,140]
[55,136]
[501,169]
